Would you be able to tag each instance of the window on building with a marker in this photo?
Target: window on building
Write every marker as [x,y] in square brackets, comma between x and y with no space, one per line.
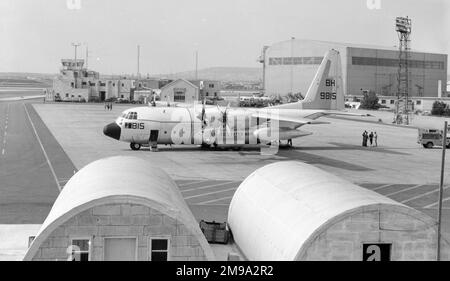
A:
[67,95]
[215,94]
[418,102]
[383,101]
[179,96]
[211,85]
[392,101]
[159,250]
[72,84]
[114,84]
[121,96]
[80,249]
[123,85]
[207,94]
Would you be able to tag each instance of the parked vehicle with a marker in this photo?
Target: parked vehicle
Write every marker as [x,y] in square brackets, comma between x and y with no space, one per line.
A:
[431,137]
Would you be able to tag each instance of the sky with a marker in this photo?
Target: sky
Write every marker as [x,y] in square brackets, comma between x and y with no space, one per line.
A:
[37,34]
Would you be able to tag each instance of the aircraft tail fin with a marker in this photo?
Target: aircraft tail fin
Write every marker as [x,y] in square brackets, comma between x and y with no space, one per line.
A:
[326,90]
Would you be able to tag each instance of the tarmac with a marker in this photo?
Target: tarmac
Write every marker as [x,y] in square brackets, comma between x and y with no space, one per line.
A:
[71,135]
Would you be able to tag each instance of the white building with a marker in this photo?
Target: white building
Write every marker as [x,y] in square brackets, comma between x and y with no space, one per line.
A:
[108,211]
[180,90]
[292,211]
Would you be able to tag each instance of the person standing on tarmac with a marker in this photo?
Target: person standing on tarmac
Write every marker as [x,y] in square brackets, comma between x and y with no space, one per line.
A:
[375,138]
[364,135]
[371,138]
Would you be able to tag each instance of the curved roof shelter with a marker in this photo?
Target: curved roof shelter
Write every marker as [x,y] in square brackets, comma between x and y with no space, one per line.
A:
[119,180]
[295,211]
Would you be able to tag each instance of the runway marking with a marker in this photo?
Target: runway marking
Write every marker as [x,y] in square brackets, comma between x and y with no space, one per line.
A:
[43,150]
[215,200]
[402,190]
[209,193]
[191,183]
[205,187]
[382,186]
[5,134]
[436,203]
[421,195]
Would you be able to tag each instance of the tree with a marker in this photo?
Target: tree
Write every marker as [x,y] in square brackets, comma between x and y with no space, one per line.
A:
[370,101]
[439,108]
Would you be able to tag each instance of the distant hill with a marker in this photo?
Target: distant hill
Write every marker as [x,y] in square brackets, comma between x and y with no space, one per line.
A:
[225,74]
[27,80]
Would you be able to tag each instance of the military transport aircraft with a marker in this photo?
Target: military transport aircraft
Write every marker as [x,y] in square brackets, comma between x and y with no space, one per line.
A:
[215,126]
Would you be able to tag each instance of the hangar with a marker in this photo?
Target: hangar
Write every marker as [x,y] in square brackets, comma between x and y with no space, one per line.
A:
[120,208]
[289,66]
[294,211]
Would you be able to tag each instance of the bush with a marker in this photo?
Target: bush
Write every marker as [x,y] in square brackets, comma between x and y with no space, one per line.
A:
[440,108]
[370,101]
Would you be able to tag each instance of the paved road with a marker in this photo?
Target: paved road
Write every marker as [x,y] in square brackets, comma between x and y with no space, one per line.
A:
[33,167]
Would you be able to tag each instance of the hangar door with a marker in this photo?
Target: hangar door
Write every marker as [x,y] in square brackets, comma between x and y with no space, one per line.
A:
[120,249]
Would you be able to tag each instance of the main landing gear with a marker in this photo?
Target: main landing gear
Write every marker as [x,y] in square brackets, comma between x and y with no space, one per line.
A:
[135,146]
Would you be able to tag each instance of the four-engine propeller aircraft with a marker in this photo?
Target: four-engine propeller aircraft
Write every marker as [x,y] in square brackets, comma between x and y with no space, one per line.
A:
[215,126]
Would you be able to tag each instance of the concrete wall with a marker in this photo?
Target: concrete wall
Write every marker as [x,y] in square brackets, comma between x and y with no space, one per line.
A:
[116,220]
[411,239]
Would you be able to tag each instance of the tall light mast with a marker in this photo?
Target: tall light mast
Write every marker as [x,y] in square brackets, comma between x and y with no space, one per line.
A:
[403,28]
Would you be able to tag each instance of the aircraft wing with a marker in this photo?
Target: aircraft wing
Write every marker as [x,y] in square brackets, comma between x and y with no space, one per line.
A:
[177,104]
[286,121]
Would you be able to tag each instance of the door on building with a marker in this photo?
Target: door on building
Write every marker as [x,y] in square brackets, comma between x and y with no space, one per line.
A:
[102,95]
[120,249]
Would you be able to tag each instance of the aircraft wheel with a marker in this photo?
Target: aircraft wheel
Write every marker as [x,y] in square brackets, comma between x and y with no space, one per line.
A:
[135,146]
[430,145]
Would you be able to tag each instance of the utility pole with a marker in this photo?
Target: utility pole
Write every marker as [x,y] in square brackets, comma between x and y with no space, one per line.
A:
[87,55]
[196,64]
[138,60]
[441,192]
[75,75]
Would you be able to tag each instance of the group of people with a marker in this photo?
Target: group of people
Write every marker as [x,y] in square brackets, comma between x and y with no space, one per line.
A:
[108,106]
[372,138]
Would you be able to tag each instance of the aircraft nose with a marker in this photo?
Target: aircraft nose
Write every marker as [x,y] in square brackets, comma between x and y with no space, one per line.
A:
[112,130]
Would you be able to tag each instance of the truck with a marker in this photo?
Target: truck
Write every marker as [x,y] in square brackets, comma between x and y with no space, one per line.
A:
[432,137]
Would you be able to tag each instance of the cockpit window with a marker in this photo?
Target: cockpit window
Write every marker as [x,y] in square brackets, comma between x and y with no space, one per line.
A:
[131,115]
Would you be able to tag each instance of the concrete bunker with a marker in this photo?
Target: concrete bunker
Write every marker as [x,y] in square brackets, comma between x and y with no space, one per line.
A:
[120,208]
[295,211]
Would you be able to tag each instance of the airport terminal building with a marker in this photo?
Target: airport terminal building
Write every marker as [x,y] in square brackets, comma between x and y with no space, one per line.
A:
[289,67]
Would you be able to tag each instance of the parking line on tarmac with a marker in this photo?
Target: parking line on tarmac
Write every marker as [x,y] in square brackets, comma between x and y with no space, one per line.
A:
[191,183]
[421,195]
[382,186]
[43,150]
[215,200]
[436,203]
[209,193]
[402,190]
[206,187]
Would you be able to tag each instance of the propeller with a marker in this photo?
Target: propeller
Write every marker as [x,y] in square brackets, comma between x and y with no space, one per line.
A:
[225,118]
